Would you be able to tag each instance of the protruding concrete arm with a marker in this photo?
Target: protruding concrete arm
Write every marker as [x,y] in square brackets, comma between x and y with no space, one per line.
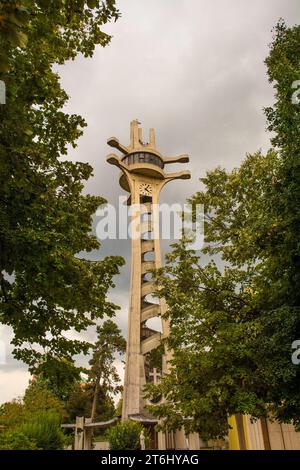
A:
[114,142]
[182,175]
[179,159]
[114,160]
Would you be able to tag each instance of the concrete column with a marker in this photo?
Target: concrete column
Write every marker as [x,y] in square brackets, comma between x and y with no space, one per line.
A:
[87,436]
[79,433]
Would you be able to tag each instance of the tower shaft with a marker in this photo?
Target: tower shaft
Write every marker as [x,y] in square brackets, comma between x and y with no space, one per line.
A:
[146,256]
[143,176]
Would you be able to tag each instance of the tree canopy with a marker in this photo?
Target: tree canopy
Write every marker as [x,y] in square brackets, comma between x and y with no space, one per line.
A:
[71,25]
[234,319]
[47,287]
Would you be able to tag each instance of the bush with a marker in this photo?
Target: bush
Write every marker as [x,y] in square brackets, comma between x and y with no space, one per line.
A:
[16,440]
[44,428]
[126,436]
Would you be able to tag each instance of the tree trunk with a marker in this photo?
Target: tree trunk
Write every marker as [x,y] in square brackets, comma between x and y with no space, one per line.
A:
[95,400]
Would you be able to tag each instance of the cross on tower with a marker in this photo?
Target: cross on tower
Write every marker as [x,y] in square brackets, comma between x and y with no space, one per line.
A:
[156,376]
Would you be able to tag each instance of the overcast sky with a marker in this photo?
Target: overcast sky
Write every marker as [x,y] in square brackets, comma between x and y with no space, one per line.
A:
[192,69]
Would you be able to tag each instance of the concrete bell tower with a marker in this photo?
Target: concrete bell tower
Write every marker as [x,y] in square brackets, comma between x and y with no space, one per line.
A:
[143,177]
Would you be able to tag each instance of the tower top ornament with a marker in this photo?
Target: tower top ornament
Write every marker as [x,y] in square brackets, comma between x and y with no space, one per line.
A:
[143,159]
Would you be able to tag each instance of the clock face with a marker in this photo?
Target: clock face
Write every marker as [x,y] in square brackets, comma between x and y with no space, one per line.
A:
[145,189]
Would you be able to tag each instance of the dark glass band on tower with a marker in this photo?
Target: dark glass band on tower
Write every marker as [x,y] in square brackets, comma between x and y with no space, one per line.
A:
[143,157]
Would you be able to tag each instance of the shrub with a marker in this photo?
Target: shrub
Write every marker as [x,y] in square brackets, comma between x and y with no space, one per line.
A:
[44,428]
[16,440]
[125,436]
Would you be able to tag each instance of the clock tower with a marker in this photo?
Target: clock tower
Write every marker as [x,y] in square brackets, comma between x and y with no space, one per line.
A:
[143,176]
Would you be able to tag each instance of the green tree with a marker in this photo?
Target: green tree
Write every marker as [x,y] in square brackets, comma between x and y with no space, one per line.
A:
[281,245]
[12,414]
[125,436]
[14,18]
[33,422]
[81,399]
[64,377]
[72,21]
[234,319]
[118,410]
[37,399]
[47,284]
[103,373]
